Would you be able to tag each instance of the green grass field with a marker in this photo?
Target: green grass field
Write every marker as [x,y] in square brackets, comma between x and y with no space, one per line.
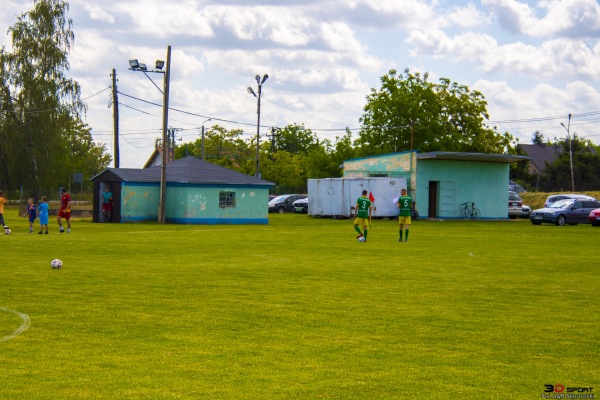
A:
[297,309]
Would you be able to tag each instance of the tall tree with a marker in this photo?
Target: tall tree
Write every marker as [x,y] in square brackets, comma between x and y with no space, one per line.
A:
[42,104]
[409,112]
[295,139]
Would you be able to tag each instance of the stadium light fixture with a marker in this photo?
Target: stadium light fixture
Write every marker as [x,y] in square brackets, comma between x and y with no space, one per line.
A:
[135,65]
[260,82]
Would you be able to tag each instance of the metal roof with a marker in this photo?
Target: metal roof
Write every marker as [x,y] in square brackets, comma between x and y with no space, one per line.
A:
[457,156]
[186,170]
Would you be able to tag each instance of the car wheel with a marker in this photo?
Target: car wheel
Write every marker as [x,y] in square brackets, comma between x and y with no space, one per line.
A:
[595,224]
[561,220]
[281,210]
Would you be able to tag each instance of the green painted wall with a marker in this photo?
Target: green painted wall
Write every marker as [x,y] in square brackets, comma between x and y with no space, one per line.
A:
[390,165]
[485,183]
[195,204]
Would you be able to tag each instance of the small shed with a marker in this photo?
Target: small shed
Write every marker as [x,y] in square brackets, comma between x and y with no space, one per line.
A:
[440,182]
[336,197]
[197,192]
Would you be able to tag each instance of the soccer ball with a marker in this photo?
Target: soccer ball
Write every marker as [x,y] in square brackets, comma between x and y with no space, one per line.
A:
[7,230]
[361,239]
[56,264]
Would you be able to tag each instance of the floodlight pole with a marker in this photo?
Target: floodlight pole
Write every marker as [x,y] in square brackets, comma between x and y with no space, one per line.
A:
[568,128]
[136,66]
[165,132]
[260,83]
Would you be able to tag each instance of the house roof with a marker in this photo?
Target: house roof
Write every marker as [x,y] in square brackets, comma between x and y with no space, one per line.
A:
[459,156]
[186,170]
[541,154]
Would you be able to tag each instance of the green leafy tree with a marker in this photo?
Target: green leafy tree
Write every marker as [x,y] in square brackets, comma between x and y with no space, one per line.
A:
[409,112]
[586,167]
[295,139]
[41,104]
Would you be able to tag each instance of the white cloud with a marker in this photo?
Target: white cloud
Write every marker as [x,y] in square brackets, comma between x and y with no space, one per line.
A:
[467,17]
[555,58]
[575,18]
[97,13]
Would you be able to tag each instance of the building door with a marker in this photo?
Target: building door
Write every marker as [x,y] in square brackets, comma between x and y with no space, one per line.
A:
[433,196]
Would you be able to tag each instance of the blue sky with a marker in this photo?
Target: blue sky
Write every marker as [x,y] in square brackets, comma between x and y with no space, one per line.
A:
[535,61]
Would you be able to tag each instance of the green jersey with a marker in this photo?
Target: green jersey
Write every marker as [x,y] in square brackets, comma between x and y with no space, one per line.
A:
[363,204]
[405,203]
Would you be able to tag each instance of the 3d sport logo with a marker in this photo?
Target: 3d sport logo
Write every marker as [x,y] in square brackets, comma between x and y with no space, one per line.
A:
[562,392]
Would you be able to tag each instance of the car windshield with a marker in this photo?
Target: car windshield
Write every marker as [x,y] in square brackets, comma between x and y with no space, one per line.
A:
[278,199]
[562,203]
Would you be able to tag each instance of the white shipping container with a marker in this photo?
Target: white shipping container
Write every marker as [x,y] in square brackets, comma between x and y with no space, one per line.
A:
[335,197]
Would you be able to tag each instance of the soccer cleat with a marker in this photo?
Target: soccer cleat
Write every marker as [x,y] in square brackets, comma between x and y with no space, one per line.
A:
[400,240]
[406,240]
[62,231]
[359,236]
[40,232]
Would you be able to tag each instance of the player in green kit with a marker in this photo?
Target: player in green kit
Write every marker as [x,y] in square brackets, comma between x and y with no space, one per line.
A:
[404,204]
[363,213]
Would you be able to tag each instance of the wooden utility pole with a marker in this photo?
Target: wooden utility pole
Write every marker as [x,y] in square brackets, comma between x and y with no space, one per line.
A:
[115,117]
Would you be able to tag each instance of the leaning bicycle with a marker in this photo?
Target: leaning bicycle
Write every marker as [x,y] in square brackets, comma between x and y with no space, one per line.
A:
[469,211]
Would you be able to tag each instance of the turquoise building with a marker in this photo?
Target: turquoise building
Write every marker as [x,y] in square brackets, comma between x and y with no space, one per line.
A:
[197,192]
[440,182]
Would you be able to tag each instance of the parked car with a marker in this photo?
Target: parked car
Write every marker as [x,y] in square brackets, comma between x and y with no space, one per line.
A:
[594,217]
[515,205]
[526,211]
[515,187]
[284,202]
[556,197]
[300,206]
[567,211]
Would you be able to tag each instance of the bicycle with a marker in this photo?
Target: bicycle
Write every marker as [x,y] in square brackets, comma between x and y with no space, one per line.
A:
[469,211]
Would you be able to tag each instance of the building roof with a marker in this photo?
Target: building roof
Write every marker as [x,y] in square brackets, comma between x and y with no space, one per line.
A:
[459,156]
[540,154]
[189,170]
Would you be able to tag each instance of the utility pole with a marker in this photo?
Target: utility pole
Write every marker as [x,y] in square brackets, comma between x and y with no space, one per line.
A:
[171,144]
[273,135]
[115,117]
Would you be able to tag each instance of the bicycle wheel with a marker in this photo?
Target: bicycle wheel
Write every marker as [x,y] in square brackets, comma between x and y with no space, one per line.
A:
[475,214]
[465,212]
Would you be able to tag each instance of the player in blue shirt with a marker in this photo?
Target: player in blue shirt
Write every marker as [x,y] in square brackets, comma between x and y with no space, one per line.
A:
[43,208]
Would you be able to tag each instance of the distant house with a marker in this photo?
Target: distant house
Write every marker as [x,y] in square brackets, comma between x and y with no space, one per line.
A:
[440,182]
[540,155]
[197,192]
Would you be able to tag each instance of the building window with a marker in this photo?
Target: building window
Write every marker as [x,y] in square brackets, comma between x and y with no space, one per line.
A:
[378,175]
[227,199]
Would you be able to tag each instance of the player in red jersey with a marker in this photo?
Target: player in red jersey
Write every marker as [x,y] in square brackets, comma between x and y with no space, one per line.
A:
[65,210]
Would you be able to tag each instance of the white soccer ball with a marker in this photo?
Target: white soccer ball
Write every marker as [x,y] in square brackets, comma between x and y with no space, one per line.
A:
[56,264]
[7,230]
[361,239]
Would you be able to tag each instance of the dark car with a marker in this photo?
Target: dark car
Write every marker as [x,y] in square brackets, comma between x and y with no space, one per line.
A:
[568,211]
[301,206]
[284,202]
[594,217]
